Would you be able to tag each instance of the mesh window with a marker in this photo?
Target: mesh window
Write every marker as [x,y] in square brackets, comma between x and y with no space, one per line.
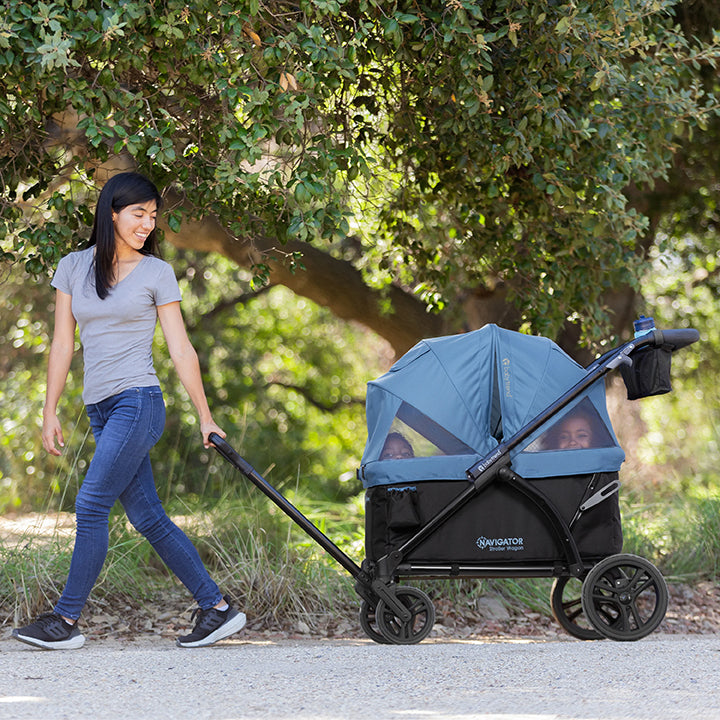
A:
[414,434]
[581,428]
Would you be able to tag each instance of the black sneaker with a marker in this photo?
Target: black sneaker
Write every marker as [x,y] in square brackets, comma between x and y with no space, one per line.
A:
[50,632]
[212,625]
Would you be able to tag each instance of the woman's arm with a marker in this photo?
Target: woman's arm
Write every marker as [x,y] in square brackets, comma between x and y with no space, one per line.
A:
[186,363]
[61,352]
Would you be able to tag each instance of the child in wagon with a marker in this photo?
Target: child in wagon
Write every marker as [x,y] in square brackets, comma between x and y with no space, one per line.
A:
[396,447]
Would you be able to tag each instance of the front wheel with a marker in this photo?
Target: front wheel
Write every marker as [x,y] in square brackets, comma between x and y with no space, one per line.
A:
[625,597]
[369,624]
[417,628]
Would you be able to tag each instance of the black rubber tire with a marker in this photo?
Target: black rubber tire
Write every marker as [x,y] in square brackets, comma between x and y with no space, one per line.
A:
[625,597]
[566,604]
[422,619]
[369,624]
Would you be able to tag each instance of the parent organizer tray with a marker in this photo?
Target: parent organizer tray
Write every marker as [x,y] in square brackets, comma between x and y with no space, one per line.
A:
[649,373]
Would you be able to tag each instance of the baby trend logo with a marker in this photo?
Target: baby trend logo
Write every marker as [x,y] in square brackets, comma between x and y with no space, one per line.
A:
[506,376]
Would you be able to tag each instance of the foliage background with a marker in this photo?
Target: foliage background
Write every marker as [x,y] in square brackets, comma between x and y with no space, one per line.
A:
[286,380]
[334,170]
[503,160]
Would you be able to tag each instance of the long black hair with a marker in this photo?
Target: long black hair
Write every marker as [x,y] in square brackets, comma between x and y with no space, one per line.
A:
[121,190]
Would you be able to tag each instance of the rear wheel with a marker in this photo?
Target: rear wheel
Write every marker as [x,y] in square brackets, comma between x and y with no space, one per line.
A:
[625,597]
[406,632]
[566,604]
[369,624]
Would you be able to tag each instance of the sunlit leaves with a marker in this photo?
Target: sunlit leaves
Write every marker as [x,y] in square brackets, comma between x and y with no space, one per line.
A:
[456,144]
[284,378]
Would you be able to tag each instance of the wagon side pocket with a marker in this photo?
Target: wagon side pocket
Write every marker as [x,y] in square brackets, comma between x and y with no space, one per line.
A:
[402,515]
[402,509]
[392,515]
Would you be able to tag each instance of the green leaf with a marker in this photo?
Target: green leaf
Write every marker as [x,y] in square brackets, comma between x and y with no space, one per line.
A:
[174,221]
[563,26]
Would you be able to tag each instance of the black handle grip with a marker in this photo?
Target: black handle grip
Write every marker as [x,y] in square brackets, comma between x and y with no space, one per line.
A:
[231,455]
[217,441]
[677,338]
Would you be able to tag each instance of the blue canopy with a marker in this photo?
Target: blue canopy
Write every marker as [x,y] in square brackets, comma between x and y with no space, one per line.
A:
[453,399]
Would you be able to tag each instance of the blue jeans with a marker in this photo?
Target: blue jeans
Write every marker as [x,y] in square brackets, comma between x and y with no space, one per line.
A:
[125,427]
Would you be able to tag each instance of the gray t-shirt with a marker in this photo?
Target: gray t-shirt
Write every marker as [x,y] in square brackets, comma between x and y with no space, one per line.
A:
[116,333]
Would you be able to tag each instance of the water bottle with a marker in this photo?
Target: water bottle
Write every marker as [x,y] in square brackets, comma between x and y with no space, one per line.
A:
[643,325]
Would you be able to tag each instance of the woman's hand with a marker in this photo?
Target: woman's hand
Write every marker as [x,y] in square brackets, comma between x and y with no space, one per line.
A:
[210,427]
[50,433]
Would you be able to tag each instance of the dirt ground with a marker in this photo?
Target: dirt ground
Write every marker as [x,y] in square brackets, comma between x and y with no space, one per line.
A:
[693,609]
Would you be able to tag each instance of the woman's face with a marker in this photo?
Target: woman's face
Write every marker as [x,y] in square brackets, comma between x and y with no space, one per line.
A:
[133,224]
[575,432]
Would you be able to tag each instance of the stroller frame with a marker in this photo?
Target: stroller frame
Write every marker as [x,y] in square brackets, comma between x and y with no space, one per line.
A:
[614,588]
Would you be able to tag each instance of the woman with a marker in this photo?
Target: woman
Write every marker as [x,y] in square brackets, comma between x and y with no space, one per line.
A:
[115,291]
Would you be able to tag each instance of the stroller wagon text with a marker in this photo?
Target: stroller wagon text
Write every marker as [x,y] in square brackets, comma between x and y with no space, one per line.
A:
[507,543]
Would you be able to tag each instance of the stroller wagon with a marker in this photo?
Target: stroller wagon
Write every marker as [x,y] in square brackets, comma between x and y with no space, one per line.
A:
[491,454]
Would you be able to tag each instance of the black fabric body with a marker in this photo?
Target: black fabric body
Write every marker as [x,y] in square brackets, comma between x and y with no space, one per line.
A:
[499,524]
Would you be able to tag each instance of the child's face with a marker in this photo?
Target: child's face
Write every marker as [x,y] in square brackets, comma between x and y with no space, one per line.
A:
[396,449]
[575,433]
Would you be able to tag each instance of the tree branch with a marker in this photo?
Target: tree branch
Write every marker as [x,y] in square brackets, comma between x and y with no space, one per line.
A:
[324,406]
[228,304]
[330,282]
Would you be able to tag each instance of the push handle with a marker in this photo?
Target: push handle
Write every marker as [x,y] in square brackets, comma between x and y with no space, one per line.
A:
[219,442]
[669,339]
[676,339]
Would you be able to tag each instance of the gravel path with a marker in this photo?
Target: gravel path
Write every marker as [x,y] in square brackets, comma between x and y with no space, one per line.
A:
[664,677]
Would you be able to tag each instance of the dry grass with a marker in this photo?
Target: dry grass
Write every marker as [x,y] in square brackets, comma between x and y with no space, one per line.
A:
[285,583]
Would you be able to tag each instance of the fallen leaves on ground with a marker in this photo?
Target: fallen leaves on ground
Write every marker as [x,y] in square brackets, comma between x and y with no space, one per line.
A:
[693,609]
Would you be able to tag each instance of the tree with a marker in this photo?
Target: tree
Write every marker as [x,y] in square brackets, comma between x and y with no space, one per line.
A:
[418,166]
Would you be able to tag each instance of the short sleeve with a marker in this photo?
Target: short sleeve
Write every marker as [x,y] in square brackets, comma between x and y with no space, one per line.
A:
[62,279]
[167,289]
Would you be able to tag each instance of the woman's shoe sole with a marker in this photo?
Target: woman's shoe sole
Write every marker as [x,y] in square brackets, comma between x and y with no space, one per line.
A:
[73,643]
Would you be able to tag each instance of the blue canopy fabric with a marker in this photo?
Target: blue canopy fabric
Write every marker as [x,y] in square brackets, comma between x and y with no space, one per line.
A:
[459,396]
